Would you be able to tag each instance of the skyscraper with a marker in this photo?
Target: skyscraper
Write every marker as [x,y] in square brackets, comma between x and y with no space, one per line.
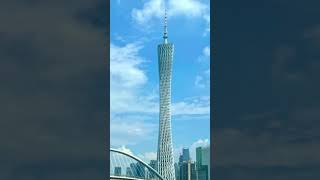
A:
[129,172]
[198,157]
[184,171]
[140,170]
[202,173]
[177,170]
[180,159]
[185,154]
[206,158]
[187,171]
[193,171]
[203,163]
[133,168]
[153,164]
[117,171]
[165,150]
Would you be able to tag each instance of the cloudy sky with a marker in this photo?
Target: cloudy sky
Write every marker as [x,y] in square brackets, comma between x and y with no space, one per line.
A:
[136,28]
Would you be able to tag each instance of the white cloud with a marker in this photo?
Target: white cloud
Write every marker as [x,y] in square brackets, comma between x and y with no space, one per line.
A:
[124,62]
[147,156]
[188,8]
[177,151]
[197,117]
[207,72]
[118,37]
[206,51]
[127,79]
[205,56]
[192,106]
[192,149]
[124,149]
[130,130]
[134,108]
[198,143]
[199,82]
[207,19]
[203,80]
[152,8]
[127,87]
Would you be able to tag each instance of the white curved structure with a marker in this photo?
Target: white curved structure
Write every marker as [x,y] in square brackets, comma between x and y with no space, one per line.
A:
[165,149]
[121,162]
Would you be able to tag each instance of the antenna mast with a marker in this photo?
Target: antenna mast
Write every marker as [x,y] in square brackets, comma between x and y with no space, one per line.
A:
[165,34]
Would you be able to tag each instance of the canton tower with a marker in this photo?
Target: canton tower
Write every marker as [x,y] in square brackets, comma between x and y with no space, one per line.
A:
[165,150]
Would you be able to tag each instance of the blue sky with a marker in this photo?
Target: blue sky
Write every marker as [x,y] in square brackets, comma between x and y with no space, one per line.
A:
[135,31]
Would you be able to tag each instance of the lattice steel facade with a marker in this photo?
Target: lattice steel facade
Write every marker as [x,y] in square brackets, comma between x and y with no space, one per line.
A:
[165,149]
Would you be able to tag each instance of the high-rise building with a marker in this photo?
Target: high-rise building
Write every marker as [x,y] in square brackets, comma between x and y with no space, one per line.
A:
[184,173]
[198,157]
[177,170]
[117,171]
[193,171]
[129,172]
[185,154]
[180,159]
[206,158]
[140,170]
[133,168]
[153,164]
[165,149]
[187,171]
[203,163]
[202,172]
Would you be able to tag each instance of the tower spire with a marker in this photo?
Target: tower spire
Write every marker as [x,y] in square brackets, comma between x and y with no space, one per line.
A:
[165,33]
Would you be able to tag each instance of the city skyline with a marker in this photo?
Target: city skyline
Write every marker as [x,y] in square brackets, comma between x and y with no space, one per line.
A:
[134,99]
[124,164]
